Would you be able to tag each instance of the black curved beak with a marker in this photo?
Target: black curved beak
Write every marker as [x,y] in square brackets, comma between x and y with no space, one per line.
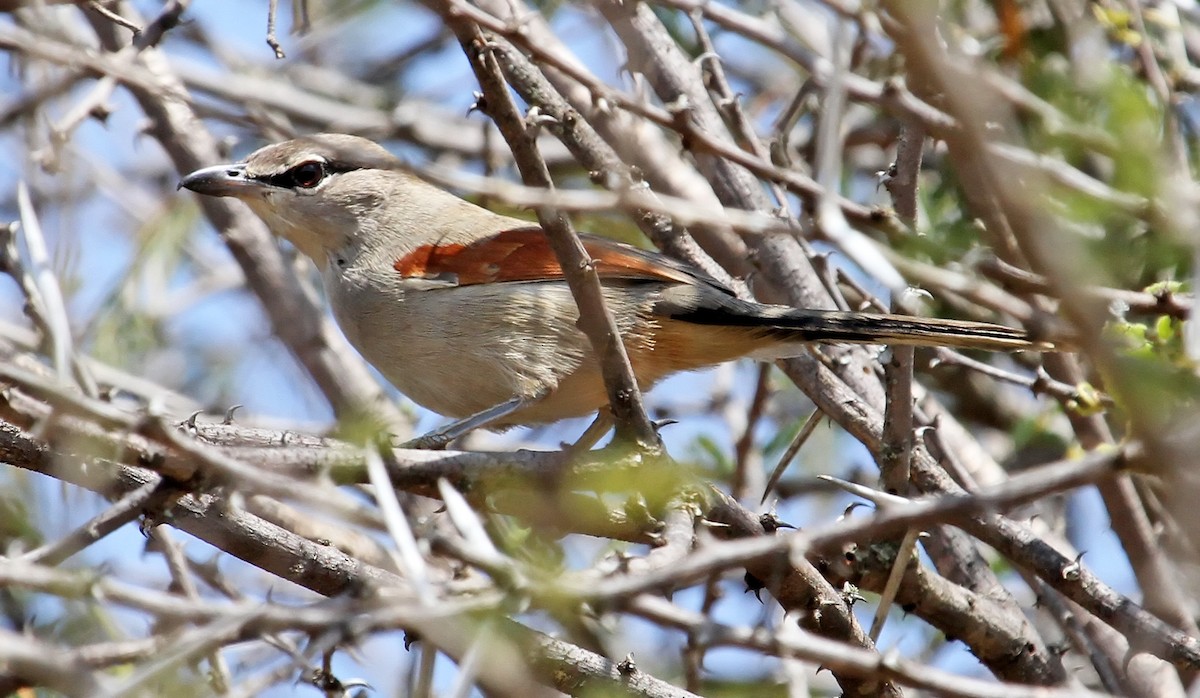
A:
[221,180]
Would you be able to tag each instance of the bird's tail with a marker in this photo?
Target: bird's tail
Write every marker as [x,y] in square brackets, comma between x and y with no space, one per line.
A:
[874,328]
[794,325]
[787,325]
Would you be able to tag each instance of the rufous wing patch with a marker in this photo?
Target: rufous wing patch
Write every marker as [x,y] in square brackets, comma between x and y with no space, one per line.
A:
[524,254]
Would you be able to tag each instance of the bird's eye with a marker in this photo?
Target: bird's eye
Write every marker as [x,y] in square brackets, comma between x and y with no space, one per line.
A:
[307,174]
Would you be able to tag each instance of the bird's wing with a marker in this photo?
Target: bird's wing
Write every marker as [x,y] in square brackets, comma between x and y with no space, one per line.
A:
[524,255]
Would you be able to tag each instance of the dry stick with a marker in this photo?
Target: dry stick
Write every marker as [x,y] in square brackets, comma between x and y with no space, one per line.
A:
[624,396]
[745,457]
[1039,384]
[272,40]
[96,6]
[1165,302]
[698,642]
[904,557]
[182,578]
[43,291]
[728,103]
[352,541]
[44,302]
[798,586]
[33,662]
[1079,629]
[108,654]
[810,425]
[422,682]
[973,290]
[903,176]
[129,508]
[407,554]
[840,658]
[895,463]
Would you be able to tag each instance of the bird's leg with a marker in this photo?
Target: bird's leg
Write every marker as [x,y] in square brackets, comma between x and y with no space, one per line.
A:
[592,435]
[440,437]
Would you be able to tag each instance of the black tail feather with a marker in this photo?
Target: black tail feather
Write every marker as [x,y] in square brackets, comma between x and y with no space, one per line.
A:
[799,325]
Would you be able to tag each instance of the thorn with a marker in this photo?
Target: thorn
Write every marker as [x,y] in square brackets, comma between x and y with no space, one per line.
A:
[627,666]
[535,119]
[680,105]
[478,103]
[850,509]
[755,585]
[851,595]
[190,422]
[1074,571]
[771,522]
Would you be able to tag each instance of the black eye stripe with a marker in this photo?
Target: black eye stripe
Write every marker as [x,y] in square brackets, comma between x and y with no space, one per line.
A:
[287,179]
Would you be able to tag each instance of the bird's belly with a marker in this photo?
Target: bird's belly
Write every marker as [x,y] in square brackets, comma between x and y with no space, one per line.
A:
[458,351]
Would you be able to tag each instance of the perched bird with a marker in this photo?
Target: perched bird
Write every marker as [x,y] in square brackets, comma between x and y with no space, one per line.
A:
[467,312]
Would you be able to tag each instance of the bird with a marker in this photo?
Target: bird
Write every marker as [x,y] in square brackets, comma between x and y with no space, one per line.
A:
[467,311]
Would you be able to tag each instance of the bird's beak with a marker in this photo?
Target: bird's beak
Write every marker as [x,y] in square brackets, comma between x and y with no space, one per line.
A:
[221,180]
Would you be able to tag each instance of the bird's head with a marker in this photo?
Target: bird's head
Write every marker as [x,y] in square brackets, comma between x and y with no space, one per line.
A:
[318,192]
